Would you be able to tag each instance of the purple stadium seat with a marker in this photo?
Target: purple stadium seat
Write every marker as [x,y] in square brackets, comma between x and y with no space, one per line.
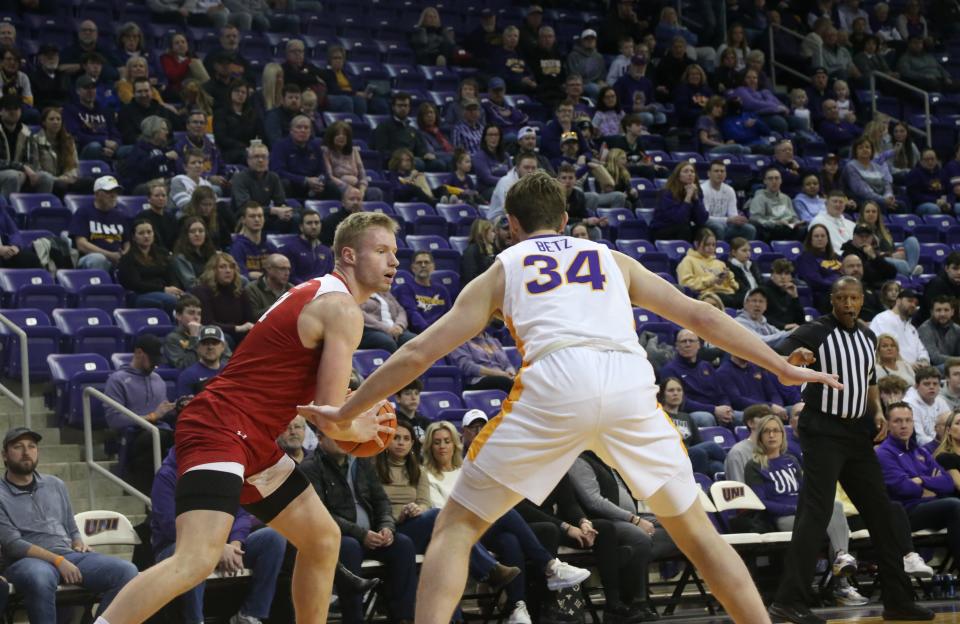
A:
[741,432]
[721,435]
[26,237]
[132,205]
[459,243]
[448,279]
[514,354]
[641,316]
[89,330]
[443,378]
[932,256]
[368,360]
[379,206]
[75,202]
[91,288]
[118,360]
[42,340]
[325,207]
[635,247]
[427,242]
[40,211]
[402,277]
[790,250]
[71,373]
[665,330]
[136,321]
[432,403]
[453,416]
[93,168]
[758,247]
[281,240]
[459,216]
[31,288]
[675,249]
[421,219]
[490,401]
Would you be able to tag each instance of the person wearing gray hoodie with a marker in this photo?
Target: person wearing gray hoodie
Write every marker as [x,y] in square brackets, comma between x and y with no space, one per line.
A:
[586,61]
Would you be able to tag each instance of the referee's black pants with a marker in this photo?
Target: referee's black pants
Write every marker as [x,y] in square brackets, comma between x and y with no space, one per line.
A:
[852,461]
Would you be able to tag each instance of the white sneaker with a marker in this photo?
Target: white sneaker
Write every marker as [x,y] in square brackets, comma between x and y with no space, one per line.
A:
[240,618]
[917,270]
[562,575]
[519,615]
[914,565]
[847,596]
[844,565]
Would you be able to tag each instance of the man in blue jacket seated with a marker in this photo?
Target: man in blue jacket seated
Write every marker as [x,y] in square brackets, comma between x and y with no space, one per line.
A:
[297,159]
[261,551]
[706,400]
[308,257]
[210,361]
[915,479]
[423,301]
[42,546]
[747,384]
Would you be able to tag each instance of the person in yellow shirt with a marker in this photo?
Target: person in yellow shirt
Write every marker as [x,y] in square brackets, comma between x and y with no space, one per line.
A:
[703,272]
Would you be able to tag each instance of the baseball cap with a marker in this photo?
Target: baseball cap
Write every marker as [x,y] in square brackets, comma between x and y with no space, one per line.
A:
[534,8]
[569,136]
[526,130]
[908,293]
[85,82]
[20,432]
[151,345]
[496,83]
[106,183]
[473,416]
[211,332]
[10,101]
[471,103]
[863,230]
[589,32]
[638,59]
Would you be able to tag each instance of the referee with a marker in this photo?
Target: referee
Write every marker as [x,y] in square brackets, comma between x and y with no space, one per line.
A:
[837,432]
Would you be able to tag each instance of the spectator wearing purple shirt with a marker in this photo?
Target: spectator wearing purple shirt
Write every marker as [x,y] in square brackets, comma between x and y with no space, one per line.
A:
[837,133]
[706,400]
[250,247]
[196,138]
[490,160]
[298,160]
[484,364]
[101,232]
[747,384]
[309,258]
[90,124]
[634,82]
[423,301]
[500,113]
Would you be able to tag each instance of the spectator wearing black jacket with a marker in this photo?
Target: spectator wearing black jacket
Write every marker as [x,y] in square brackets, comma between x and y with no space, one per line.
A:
[395,133]
[147,269]
[548,67]
[237,124]
[354,496]
[142,105]
[784,310]
[151,157]
[947,282]
[50,85]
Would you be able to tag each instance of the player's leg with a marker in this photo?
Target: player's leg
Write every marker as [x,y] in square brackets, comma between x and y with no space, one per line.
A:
[475,503]
[718,563]
[201,534]
[306,524]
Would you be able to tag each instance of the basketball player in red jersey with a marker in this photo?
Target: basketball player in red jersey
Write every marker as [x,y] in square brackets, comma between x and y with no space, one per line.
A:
[299,351]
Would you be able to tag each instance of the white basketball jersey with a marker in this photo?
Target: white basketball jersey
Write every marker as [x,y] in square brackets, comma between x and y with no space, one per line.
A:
[562,291]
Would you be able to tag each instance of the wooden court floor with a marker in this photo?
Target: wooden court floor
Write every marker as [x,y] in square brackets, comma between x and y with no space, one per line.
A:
[948,612]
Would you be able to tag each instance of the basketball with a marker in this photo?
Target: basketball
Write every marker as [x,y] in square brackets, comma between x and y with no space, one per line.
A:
[371,448]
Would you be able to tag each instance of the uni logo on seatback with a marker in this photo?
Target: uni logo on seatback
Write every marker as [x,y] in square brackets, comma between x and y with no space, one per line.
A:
[93,526]
[731,493]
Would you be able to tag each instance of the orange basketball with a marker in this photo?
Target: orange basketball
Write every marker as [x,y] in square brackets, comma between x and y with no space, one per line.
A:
[371,448]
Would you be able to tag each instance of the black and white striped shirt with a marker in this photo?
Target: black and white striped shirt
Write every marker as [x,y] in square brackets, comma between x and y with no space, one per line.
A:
[850,354]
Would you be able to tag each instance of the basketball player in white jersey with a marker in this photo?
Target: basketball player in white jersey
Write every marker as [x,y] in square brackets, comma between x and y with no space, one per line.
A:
[585,384]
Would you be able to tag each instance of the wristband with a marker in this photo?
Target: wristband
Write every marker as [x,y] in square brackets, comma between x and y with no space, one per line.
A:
[58,561]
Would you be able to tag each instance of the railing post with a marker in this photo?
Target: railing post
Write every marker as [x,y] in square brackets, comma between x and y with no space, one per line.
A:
[873,94]
[773,53]
[22,401]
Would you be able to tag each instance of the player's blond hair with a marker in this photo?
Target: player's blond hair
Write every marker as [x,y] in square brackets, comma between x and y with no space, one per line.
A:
[352,228]
[538,201]
[429,462]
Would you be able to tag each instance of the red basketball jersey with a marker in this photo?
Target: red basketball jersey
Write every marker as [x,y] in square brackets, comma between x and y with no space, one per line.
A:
[272,372]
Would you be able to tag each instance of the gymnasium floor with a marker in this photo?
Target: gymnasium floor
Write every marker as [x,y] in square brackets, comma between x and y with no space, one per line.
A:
[948,612]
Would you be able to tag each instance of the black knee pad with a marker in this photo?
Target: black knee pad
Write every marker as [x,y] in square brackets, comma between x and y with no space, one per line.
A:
[268,508]
[210,490]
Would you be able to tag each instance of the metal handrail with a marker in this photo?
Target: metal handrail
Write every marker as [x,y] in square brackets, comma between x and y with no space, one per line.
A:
[926,102]
[140,421]
[773,54]
[22,401]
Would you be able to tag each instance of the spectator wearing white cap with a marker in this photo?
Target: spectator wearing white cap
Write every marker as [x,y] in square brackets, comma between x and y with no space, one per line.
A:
[211,345]
[586,61]
[101,232]
[527,142]
[473,421]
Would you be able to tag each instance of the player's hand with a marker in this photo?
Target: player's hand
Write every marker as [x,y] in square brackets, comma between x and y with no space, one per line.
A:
[881,424]
[794,376]
[365,427]
[70,573]
[801,357]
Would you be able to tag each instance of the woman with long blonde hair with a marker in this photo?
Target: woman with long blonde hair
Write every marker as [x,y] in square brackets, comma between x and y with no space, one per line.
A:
[223,300]
[272,85]
[479,254]
[442,459]
[947,453]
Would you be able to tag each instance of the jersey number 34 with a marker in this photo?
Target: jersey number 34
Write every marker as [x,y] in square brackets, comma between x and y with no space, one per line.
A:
[583,269]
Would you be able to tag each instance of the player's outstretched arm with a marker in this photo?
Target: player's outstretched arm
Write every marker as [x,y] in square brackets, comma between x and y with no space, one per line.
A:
[470,314]
[650,291]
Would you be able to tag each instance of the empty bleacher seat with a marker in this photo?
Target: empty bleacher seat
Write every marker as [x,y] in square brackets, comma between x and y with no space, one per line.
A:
[91,288]
[432,403]
[442,377]
[43,339]
[136,321]
[365,361]
[89,330]
[448,279]
[490,401]
[40,211]
[721,435]
[71,373]
[421,219]
[30,288]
